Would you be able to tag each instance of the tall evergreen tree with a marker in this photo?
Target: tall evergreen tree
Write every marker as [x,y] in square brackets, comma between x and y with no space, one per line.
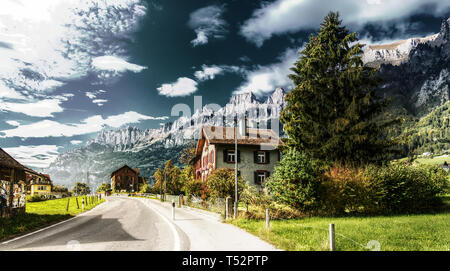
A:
[332,111]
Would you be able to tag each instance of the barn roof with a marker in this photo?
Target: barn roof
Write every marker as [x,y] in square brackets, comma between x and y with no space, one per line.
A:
[137,171]
[7,161]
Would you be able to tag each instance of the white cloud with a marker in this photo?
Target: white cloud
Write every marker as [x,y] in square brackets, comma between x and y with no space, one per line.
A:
[100,102]
[207,23]
[182,87]
[13,122]
[265,79]
[42,108]
[76,142]
[208,72]
[115,64]
[49,128]
[36,156]
[93,96]
[288,16]
[6,92]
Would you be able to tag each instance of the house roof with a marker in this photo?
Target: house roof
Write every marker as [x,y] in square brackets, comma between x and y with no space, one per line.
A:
[226,136]
[137,171]
[8,161]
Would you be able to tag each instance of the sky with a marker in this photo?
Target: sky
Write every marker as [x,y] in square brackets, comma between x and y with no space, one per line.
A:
[70,68]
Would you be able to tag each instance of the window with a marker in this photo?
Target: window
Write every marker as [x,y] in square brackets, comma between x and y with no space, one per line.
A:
[261,157]
[261,176]
[230,156]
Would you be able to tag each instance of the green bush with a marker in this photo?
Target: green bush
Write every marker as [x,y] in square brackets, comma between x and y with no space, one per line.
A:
[296,182]
[408,189]
[221,183]
[36,198]
[193,188]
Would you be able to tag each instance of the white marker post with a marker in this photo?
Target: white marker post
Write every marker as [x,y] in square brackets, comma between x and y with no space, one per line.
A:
[173,209]
[267,219]
[332,240]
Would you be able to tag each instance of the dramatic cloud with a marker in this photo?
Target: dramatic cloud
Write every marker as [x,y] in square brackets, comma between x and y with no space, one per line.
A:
[288,16]
[42,108]
[36,156]
[49,128]
[265,79]
[182,87]
[207,23]
[45,43]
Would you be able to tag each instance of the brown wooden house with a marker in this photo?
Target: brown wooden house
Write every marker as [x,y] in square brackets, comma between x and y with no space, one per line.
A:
[13,184]
[126,179]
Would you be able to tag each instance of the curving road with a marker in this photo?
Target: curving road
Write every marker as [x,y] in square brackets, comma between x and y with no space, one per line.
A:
[123,223]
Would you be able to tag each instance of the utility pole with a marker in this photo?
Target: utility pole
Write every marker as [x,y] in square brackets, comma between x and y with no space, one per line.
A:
[235,168]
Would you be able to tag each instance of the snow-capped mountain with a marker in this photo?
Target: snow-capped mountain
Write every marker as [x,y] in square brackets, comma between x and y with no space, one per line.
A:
[416,71]
[398,52]
[149,149]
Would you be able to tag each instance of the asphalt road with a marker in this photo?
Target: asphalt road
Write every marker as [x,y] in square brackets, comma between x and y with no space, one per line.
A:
[138,224]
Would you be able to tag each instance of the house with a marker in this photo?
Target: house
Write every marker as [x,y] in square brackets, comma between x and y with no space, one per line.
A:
[256,156]
[13,185]
[126,179]
[39,184]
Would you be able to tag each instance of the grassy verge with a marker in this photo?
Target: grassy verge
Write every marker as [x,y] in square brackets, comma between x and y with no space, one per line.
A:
[41,214]
[406,232]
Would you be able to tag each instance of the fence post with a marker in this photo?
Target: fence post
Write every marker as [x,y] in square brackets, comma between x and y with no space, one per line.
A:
[180,198]
[67,208]
[82,204]
[227,207]
[332,240]
[173,209]
[267,219]
[78,206]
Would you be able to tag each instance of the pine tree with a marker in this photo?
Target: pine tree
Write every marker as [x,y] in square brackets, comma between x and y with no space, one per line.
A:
[332,111]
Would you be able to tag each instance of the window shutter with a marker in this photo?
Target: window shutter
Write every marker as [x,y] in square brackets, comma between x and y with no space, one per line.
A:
[238,156]
[267,157]
[267,174]
[255,176]
[255,157]
[225,156]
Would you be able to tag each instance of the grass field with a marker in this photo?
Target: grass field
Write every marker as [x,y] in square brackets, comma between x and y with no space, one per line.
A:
[41,214]
[394,233]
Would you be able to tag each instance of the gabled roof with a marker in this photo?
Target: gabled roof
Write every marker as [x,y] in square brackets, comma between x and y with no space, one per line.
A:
[226,136]
[137,171]
[8,161]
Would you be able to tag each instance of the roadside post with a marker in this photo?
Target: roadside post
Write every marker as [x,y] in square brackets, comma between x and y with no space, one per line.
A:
[67,208]
[82,204]
[227,207]
[173,209]
[332,238]
[78,205]
[267,219]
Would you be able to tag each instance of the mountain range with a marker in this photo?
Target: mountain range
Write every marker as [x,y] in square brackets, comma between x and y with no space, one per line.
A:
[415,74]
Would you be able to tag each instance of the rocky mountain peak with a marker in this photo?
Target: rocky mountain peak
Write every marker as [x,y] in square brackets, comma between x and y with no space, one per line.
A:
[277,97]
[243,98]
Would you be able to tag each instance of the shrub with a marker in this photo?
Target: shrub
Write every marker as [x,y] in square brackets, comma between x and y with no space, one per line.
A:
[296,182]
[346,190]
[392,189]
[221,183]
[193,188]
[408,189]
[37,198]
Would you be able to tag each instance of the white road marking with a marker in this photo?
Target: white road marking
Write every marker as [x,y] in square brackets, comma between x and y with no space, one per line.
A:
[176,236]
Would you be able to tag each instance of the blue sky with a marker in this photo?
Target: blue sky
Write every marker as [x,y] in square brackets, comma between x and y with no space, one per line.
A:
[69,68]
